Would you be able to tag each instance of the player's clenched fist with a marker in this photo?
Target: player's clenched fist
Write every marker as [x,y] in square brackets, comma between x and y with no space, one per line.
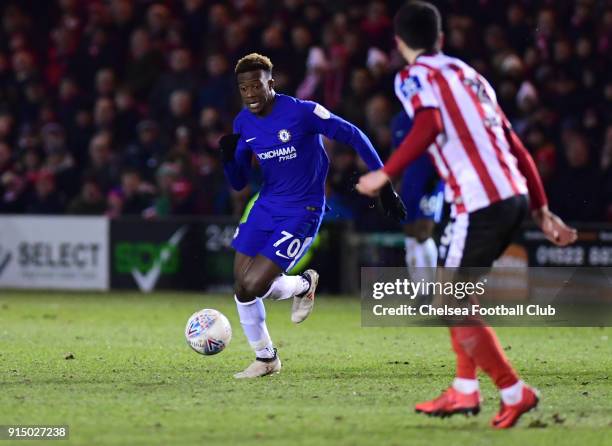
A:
[227,145]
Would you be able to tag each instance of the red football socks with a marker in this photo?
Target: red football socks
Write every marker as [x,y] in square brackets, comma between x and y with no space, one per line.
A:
[477,346]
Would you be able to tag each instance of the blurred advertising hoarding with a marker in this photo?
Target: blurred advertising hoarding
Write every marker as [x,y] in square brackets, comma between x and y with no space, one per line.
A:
[54,252]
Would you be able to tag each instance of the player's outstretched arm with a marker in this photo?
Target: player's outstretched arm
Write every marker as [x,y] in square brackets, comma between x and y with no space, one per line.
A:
[236,158]
[322,121]
[555,230]
[334,127]
[426,127]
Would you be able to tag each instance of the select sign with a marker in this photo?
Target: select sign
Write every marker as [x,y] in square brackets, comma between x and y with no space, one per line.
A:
[54,252]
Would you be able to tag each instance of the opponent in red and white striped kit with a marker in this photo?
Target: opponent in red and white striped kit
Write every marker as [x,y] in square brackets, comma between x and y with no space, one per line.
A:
[491,182]
[474,145]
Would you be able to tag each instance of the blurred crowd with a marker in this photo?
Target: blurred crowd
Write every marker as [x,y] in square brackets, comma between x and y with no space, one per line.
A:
[116,106]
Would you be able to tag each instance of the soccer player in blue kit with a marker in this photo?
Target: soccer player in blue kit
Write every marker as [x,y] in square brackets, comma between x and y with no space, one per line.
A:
[422,191]
[284,134]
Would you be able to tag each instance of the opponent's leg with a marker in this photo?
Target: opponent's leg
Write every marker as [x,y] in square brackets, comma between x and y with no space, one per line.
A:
[464,394]
[476,345]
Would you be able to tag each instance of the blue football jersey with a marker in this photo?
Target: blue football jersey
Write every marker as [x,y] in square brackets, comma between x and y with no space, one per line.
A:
[288,146]
[422,192]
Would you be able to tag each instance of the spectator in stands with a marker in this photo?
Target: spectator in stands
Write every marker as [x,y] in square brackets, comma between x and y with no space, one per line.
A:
[575,185]
[105,116]
[68,101]
[123,17]
[128,116]
[181,114]
[301,42]
[135,194]
[45,198]
[105,83]
[194,20]
[90,201]
[103,167]
[167,174]
[96,51]
[353,108]
[144,66]
[70,70]
[179,76]
[147,152]
[59,161]
[158,23]
[219,83]
[378,115]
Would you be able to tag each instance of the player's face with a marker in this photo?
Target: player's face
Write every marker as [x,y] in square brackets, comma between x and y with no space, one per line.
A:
[256,91]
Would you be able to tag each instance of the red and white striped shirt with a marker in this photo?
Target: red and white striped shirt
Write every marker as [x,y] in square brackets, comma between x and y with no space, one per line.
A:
[472,154]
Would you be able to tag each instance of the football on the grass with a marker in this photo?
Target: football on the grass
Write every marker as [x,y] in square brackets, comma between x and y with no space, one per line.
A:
[208,332]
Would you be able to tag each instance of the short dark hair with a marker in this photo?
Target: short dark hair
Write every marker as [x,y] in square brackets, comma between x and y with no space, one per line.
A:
[252,62]
[418,24]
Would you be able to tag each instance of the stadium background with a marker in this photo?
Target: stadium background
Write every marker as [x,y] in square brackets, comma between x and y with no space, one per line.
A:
[114,109]
[88,93]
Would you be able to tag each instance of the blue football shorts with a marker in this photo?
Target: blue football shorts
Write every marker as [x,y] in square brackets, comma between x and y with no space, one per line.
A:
[422,191]
[284,239]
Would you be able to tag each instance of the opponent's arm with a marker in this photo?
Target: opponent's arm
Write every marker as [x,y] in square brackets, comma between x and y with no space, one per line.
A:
[426,126]
[236,158]
[551,225]
[537,195]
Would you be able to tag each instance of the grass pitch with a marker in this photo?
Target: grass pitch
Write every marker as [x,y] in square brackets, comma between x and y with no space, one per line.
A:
[134,381]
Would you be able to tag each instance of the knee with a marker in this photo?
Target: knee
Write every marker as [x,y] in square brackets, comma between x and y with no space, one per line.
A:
[249,287]
[422,230]
[240,292]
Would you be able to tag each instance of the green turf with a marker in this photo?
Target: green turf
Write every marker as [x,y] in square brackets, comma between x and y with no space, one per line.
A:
[133,380]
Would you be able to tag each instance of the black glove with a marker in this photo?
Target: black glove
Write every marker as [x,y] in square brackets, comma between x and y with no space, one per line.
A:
[392,204]
[227,145]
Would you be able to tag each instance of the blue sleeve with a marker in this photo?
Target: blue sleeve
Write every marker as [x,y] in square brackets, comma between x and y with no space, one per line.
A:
[400,126]
[322,121]
[238,171]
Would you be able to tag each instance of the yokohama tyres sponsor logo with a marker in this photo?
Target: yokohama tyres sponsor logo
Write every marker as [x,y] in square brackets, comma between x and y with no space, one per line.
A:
[283,153]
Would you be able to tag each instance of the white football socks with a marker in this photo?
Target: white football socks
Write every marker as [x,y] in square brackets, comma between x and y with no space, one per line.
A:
[253,314]
[253,320]
[285,287]
[421,258]
[466,385]
[430,253]
[512,395]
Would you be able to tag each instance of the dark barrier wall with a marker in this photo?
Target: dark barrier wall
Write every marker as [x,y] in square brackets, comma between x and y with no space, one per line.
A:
[593,248]
[183,254]
[195,253]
